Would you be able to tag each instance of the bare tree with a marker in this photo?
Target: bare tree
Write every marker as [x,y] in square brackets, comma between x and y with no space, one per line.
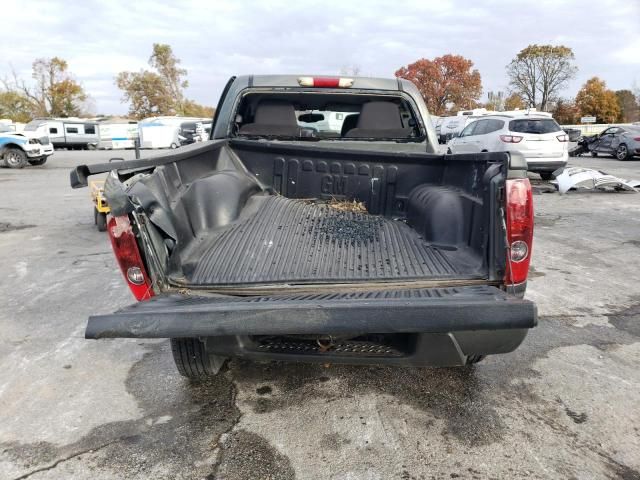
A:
[539,72]
[55,92]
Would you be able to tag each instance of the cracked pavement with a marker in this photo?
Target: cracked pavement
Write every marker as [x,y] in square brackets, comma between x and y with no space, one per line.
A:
[564,405]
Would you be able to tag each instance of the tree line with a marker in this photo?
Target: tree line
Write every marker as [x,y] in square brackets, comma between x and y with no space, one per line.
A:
[536,76]
[449,83]
[54,92]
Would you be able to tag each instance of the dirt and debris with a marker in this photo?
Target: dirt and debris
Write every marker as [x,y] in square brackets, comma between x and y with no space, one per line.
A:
[344,222]
[347,205]
[346,227]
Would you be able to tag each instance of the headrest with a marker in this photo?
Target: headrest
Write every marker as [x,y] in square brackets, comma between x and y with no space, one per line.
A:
[275,112]
[379,116]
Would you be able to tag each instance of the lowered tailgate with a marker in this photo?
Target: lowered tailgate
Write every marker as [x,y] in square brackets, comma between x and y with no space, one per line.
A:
[429,310]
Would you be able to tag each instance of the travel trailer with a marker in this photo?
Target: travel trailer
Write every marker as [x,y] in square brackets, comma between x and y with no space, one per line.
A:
[70,133]
[117,135]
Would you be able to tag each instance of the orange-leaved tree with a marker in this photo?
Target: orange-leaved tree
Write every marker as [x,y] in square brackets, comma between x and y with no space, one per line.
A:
[595,99]
[446,83]
[566,112]
[515,102]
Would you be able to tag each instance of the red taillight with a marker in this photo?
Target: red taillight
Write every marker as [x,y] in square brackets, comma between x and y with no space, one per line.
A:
[637,139]
[510,138]
[325,82]
[563,138]
[127,253]
[519,222]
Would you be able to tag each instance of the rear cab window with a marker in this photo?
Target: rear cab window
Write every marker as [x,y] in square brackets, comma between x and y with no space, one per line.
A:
[327,116]
[534,125]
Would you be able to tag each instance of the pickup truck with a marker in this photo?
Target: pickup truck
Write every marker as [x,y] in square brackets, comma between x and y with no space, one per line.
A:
[19,149]
[287,237]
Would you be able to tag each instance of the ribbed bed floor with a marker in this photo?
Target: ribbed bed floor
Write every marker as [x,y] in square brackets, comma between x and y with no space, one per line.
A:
[298,242]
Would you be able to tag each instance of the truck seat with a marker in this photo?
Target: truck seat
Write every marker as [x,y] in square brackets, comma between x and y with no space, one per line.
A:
[273,117]
[379,120]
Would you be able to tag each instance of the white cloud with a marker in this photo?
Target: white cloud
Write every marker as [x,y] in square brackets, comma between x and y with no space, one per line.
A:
[218,39]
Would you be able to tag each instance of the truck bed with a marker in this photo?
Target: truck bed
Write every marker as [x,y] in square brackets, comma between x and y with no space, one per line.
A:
[276,241]
[229,214]
[297,241]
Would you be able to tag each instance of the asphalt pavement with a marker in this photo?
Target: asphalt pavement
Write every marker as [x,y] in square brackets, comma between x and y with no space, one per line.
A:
[564,405]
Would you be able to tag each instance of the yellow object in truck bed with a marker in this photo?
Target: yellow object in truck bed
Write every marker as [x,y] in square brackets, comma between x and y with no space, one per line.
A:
[100,205]
[96,187]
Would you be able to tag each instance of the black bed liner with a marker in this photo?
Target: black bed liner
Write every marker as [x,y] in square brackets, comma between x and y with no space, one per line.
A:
[297,241]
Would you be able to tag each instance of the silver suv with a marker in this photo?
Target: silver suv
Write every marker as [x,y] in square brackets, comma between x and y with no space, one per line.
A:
[537,136]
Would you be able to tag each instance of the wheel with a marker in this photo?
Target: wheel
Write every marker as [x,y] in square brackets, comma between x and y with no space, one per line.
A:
[473,359]
[594,153]
[192,359]
[449,152]
[15,158]
[101,221]
[174,146]
[622,152]
[38,161]
[546,176]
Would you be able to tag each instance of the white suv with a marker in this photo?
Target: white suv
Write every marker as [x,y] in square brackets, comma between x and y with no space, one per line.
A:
[539,137]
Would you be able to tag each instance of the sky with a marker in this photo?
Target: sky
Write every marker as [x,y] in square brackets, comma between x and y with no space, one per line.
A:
[216,40]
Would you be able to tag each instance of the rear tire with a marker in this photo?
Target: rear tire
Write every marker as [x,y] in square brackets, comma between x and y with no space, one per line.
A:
[101,221]
[594,153]
[15,158]
[546,176]
[36,162]
[192,359]
[622,152]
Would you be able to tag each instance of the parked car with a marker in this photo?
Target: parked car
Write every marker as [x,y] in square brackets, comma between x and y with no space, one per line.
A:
[18,150]
[363,245]
[539,138]
[623,142]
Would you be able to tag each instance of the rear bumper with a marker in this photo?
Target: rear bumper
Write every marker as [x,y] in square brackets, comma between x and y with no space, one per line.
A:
[419,349]
[448,323]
